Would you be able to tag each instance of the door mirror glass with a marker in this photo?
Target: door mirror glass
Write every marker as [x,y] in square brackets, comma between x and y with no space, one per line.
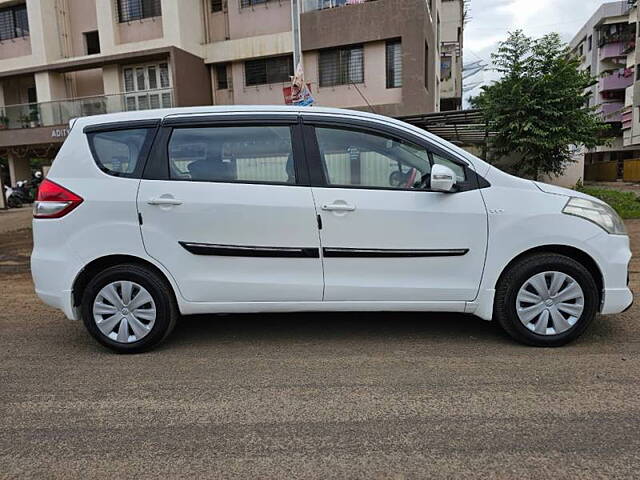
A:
[442,178]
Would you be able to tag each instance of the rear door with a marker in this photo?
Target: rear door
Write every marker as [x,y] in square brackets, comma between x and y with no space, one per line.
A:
[385,235]
[227,209]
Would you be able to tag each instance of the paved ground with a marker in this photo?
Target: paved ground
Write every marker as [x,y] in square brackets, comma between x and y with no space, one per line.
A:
[313,396]
[14,218]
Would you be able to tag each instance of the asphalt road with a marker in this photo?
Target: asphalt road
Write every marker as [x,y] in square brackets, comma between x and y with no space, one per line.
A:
[313,396]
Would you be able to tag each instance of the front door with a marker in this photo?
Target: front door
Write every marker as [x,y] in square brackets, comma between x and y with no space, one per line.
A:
[385,236]
[233,219]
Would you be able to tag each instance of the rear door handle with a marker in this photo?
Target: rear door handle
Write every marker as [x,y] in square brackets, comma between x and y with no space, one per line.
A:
[164,201]
[338,207]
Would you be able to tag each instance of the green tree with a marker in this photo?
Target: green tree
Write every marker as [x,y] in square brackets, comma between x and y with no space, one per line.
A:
[539,107]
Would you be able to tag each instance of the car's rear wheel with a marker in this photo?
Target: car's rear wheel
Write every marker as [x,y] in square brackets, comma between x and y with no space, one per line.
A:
[129,308]
[546,300]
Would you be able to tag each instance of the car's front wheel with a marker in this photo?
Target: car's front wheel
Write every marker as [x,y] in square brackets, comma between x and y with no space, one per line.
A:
[128,308]
[546,300]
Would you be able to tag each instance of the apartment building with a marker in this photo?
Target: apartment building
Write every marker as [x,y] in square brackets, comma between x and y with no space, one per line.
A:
[60,59]
[451,27]
[607,46]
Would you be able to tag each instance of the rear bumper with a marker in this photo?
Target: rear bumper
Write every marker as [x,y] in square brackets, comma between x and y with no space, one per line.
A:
[60,300]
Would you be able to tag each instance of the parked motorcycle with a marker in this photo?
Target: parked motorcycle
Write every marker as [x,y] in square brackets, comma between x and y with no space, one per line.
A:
[27,190]
[12,198]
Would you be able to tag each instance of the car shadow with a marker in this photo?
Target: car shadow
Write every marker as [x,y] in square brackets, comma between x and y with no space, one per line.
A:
[331,326]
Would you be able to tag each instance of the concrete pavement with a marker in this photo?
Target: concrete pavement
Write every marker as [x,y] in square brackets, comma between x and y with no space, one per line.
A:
[314,396]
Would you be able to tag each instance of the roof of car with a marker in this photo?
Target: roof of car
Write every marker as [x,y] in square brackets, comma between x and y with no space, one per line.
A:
[212,110]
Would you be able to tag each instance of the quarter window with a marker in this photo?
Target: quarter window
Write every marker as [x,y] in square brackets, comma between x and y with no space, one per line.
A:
[118,152]
[232,154]
[370,160]
[341,66]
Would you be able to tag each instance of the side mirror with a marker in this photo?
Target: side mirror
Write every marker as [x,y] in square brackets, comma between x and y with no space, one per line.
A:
[442,178]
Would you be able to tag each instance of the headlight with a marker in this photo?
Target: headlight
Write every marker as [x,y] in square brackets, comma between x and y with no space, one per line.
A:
[599,213]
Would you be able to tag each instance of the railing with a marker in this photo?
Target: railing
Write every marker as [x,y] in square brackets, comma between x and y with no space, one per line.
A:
[60,112]
[618,80]
[611,112]
[612,50]
[311,5]
[627,35]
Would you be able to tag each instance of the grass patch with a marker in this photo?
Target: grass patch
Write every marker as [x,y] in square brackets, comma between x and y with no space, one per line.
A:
[627,204]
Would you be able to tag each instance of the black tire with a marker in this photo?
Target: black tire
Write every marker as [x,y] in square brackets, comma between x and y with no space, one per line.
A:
[516,276]
[14,202]
[156,285]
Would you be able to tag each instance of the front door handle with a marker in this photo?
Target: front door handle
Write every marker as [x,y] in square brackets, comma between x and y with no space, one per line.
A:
[338,207]
[164,201]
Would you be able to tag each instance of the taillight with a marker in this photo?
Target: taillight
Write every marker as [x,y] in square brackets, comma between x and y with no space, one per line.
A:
[54,201]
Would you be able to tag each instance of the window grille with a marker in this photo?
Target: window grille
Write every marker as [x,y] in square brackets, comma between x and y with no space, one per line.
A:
[129,10]
[394,64]
[216,6]
[341,66]
[251,3]
[268,70]
[221,76]
[14,22]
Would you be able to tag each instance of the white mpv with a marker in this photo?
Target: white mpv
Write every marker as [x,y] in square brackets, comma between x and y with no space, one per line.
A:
[148,215]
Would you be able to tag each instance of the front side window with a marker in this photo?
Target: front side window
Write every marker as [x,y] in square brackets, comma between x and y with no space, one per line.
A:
[129,10]
[263,71]
[14,22]
[119,152]
[358,158]
[232,154]
[341,66]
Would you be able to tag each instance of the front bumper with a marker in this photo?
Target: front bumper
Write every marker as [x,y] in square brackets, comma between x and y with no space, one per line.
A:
[616,300]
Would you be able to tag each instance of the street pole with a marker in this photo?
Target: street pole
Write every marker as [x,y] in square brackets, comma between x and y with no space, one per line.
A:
[295,30]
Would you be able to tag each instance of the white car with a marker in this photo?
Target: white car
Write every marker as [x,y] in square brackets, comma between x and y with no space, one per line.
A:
[148,215]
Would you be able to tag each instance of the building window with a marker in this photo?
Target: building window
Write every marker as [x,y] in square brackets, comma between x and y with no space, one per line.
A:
[92,42]
[581,50]
[590,41]
[268,70]
[14,22]
[216,5]
[222,80]
[129,10]
[147,87]
[341,66]
[394,64]
[251,3]
[426,65]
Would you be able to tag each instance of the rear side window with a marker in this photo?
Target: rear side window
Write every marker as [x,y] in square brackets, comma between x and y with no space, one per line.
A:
[250,154]
[121,152]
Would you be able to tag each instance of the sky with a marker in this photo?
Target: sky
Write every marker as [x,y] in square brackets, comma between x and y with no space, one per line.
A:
[490,20]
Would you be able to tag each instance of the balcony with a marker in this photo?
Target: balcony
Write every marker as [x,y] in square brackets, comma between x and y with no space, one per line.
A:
[618,80]
[47,114]
[611,112]
[613,50]
[312,5]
